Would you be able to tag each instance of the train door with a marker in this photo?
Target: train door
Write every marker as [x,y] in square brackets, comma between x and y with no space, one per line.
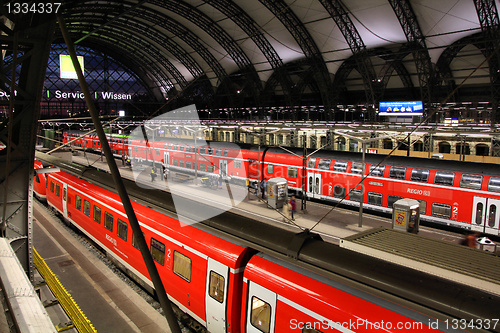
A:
[313,184]
[486,215]
[65,200]
[165,159]
[216,298]
[223,167]
[261,309]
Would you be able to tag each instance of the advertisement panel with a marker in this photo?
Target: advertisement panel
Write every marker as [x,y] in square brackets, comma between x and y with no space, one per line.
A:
[411,108]
[66,66]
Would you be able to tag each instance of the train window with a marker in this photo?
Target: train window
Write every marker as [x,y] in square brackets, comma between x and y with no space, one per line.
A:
[218,152]
[195,166]
[291,172]
[122,229]
[357,167]
[338,191]
[108,221]
[37,179]
[494,184]
[391,199]
[210,168]
[203,150]
[86,207]
[158,251]
[97,214]
[375,198]
[355,195]
[176,162]
[237,164]
[324,163]
[441,210]
[444,178]
[210,150]
[312,162]
[188,164]
[64,193]
[202,167]
[78,202]
[270,168]
[226,152]
[166,146]
[419,175]
[260,316]
[423,206]
[181,163]
[397,172]
[176,147]
[479,213]
[193,149]
[377,170]
[492,216]
[340,166]
[471,181]
[216,287]
[182,266]
[58,189]
[188,148]
[181,148]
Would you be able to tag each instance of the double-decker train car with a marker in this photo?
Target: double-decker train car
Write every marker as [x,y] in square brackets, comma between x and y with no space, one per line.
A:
[230,287]
[39,182]
[453,193]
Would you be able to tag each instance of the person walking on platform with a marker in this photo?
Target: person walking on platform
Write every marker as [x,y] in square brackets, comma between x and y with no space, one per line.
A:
[293,207]
[286,210]
[153,174]
[263,187]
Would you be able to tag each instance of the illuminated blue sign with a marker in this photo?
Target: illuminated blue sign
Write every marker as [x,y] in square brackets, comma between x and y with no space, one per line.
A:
[412,108]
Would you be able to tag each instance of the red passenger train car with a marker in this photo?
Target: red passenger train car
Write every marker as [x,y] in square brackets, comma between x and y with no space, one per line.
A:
[39,182]
[228,287]
[452,193]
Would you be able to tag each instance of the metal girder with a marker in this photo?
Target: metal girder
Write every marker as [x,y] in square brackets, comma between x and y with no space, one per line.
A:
[416,39]
[250,27]
[211,27]
[135,44]
[292,23]
[488,18]
[29,38]
[394,62]
[364,65]
[159,20]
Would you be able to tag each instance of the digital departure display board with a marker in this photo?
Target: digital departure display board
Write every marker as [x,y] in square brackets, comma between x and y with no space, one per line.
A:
[411,108]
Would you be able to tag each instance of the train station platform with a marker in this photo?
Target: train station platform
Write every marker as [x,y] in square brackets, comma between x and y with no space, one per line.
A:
[109,303]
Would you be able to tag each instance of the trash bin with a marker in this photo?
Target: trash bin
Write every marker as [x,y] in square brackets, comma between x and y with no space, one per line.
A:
[277,190]
[487,244]
[406,215]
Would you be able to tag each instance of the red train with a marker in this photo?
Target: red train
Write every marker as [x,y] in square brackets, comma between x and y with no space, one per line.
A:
[230,287]
[460,194]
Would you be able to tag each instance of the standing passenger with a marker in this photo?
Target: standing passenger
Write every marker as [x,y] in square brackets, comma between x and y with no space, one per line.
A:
[293,206]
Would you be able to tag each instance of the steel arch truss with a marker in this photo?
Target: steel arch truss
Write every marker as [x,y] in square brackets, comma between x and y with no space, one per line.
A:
[488,18]
[416,41]
[338,13]
[283,12]
[26,38]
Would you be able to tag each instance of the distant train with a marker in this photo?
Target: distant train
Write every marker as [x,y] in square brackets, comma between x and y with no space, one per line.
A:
[460,194]
[230,287]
